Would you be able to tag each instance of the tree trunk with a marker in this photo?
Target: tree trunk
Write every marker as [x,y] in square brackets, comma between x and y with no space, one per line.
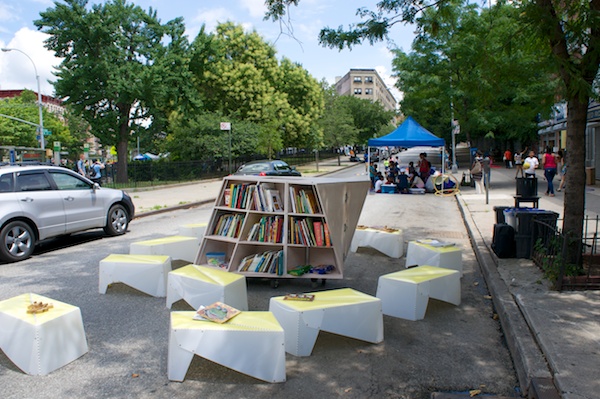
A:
[123,144]
[574,204]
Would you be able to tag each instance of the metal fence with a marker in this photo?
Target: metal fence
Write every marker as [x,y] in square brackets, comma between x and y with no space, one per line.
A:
[161,172]
[549,252]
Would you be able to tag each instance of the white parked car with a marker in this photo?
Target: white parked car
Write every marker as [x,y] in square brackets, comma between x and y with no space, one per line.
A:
[42,201]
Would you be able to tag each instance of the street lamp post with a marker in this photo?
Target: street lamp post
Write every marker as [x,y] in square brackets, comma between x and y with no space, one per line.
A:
[39,93]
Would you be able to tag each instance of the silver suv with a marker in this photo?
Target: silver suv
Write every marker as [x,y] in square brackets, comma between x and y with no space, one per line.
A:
[42,201]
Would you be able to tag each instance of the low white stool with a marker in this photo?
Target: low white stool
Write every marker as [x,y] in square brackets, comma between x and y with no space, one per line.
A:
[421,253]
[251,343]
[193,230]
[40,343]
[405,294]
[146,273]
[342,311]
[177,247]
[390,243]
[203,285]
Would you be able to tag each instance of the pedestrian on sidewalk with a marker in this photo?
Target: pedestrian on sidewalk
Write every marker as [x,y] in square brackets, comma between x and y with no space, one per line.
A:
[550,166]
[477,172]
[519,162]
[508,159]
[563,171]
[531,164]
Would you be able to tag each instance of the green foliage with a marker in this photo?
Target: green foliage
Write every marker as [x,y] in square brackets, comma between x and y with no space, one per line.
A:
[117,70]
[242,77]
[496,81]
[199,137]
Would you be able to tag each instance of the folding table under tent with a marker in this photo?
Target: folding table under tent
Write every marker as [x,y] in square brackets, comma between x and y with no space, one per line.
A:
[409,134]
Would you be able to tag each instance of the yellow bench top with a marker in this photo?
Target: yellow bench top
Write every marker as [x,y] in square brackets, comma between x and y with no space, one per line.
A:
[207,274]
[17,307]
[132,258]
[245,321]
[420,273]
[328,299]
[165,240]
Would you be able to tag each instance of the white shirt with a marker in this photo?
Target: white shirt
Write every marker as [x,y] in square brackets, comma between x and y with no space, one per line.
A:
[533,164]
[378,185]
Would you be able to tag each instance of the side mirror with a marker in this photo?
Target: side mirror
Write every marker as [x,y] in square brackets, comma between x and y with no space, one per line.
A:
[95,187]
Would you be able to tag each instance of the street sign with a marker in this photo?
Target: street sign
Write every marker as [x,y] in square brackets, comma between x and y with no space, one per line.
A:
[225,125]
[47,132]
[86,147]
[57,146]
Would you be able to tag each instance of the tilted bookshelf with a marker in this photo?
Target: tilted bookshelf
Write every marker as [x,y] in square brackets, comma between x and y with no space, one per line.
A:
[281,227]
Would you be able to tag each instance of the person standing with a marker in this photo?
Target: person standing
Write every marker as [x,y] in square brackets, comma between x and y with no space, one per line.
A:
[477,172]
[81,165]
[508,159]
[96,175]
[424,167]
[562,164]
[519,162]
[533,164]
[549,164]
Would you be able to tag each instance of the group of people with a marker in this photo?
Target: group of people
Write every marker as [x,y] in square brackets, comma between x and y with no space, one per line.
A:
[92,171]
[553,163]
[402,178]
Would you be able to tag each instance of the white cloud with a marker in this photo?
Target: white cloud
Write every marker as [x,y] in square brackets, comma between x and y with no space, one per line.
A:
[16,70]
[256,8]
[210,18]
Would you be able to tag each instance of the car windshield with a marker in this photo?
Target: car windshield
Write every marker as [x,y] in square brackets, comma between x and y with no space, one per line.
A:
[254,168]
[281,166]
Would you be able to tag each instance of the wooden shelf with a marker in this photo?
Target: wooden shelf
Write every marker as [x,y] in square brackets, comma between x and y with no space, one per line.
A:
[277,213]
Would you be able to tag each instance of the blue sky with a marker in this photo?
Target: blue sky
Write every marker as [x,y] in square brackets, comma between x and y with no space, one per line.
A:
[17,31]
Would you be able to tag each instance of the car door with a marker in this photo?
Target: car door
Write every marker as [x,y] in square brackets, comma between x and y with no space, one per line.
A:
[40,202]
[84,208]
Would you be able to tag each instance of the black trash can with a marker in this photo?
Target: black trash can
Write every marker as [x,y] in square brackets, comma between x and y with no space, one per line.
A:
[500,213]
[527,187]
[528,232]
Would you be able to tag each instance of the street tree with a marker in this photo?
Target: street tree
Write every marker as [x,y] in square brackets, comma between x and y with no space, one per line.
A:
[570,30]
[112,70]
[243,76]
[468,64]
[369,117]
[336,121]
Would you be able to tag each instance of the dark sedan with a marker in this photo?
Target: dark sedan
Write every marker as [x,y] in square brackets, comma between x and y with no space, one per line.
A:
[267,168]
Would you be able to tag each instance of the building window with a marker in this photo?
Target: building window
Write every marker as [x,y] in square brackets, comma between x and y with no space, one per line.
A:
[357,79]
[368,91]
[357,91]
[369,79]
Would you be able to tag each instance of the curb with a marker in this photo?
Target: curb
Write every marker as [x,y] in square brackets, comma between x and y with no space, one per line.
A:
[528,358]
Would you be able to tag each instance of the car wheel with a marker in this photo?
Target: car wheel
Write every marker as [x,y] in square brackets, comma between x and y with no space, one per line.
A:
[18,241]
[117,221]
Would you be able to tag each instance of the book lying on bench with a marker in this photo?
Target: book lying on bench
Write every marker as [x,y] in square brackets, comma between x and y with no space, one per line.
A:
[436,243]
[217,312]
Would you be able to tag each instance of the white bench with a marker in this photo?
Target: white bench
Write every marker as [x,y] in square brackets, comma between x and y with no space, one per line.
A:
[421,253]
[390,243]
[177,247]
[405,294]
[251,343]
[41,343]
[342,311]
[193,230]
[146,273]
[204,285]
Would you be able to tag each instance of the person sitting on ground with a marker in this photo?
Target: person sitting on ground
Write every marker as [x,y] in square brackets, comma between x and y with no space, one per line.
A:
[403,184]
[378,182]
[411,169]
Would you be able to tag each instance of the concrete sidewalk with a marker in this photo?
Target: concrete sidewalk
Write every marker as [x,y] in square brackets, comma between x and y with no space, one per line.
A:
[553,337]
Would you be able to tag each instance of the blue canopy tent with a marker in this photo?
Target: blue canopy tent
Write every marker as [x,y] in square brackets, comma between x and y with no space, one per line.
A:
[409,134]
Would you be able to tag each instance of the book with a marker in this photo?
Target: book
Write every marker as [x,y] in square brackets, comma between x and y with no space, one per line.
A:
[318,228]
[327,237]
[299,297]
[276,200]
[217,312]
[227,196]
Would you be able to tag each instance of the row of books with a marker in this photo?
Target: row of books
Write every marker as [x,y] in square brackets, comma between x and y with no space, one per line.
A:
[268,229]
[303,200]
[266,262]
[261,197]
[229,225]
[309,232]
